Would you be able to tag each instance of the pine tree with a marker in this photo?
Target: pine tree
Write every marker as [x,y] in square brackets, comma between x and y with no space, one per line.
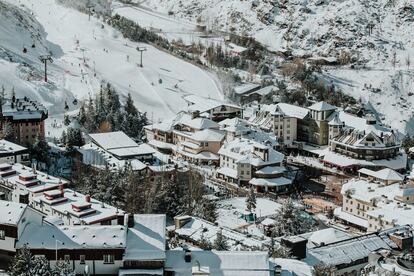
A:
[66,120]
[63,268]
[221,242]
[74,137]
[130,108]
[204,243]
[40,150]
[209,210]
[290,221]
[25,264]
[251,201]
[82,115]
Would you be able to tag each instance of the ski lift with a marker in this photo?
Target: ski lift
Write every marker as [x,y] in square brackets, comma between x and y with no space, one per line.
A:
[24,50]
[75,102]
[66,106]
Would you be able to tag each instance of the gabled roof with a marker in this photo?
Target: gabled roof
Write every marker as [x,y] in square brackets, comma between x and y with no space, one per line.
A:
[11,212]
[322,106]
[113,140]
[384,174]
[146,240]
[293,111]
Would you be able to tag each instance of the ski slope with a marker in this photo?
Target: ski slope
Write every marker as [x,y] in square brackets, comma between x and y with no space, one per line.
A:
[90,51]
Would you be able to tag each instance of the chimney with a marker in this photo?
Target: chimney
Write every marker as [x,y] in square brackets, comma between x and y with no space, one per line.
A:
[278,270]
[131,221]
[187,256]
[88,198]
[180,221]
[297,246]
[403,239]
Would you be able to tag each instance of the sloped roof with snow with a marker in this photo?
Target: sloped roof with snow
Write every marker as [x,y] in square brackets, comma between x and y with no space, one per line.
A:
[293,111]
[384,174]
[11,212]
[347,251]
[246,88]
[113,140]
[242,150]
[202,104]
[9,147]
[209,135]
[146,240]
[223,263]
[271,182]
[45,235]
[322,106]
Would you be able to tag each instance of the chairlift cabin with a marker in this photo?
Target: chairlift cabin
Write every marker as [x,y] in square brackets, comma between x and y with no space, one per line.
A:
[24,50]
[75,102]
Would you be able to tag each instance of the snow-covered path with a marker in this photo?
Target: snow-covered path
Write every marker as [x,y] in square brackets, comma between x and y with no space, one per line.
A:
[94,51]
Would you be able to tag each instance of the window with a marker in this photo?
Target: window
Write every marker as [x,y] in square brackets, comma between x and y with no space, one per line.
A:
[82,259]
[242,172]
[206,144]
[108,259]
[2,235]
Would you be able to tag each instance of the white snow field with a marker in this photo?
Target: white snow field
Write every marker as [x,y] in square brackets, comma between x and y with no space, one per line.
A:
[86,52]
[378,33]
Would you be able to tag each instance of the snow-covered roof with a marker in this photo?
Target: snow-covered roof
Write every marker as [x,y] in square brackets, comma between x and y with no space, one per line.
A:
[197,228]
[394,212]
[94,212]
[228,172]
[10,174]
[324,236]
[242,150]
[140,271]
[7,147]
[360,123]
[293,111]
[142,149]
[365,191]
[201,104]
[346,251]
[11,212]
[208,135]
[24,109]
[271,170]
[48,236]
[94,155]
[384,174]
[322,106]
[224,263]
[113,140]
[268,222]
[292,267]
[246,88]
[146,240]
[350,218]
[204,155]
[397,163]
[271,182]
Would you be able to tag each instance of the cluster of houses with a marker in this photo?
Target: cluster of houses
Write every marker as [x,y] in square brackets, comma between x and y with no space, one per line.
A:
[240,147]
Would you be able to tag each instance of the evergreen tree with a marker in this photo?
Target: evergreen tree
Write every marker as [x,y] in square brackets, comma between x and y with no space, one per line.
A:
[251,200]
[82,115]
[8,132]
[63,268]
[290,221]
[66,120]
[40,150]
[221,242]
[130,108]
[209,210]
[204,243]
[25,264]
[74,137]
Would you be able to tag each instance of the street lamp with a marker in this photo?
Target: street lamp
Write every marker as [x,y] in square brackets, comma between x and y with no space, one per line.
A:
[56,248]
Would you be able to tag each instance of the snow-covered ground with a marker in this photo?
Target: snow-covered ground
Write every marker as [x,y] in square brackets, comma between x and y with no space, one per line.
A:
[87,52]
[376,33]
[231,210]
